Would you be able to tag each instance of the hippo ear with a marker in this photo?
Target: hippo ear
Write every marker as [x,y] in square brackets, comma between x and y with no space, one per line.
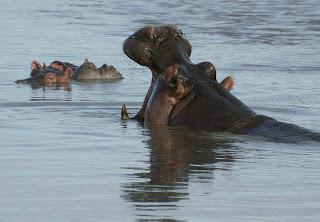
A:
[67,74]
[86,60]
[36,65]
[57,65]
[228,83]
[209,69]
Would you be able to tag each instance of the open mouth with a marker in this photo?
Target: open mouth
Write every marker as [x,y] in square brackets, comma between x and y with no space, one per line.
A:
[183,103]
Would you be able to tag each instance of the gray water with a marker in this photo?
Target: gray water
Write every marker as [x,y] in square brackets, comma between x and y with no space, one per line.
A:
[65,155]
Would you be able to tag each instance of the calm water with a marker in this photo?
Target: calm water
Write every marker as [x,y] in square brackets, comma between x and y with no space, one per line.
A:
[66,156]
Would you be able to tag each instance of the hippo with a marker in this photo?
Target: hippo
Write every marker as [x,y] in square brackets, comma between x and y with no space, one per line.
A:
[141,48]
[183,95]
[47,75]
[64,72]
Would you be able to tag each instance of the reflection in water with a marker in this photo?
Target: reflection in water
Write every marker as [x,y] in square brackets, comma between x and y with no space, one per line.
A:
[176,155]
[52,86]
[42,92]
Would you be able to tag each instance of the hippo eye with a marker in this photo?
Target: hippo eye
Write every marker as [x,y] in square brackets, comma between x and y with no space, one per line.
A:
[51,79]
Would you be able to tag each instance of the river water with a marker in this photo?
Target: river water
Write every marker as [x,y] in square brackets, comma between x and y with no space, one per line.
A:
[65,155]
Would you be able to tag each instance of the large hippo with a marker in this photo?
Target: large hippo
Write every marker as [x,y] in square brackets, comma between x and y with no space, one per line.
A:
[184,95]
[64,72]
[143,45]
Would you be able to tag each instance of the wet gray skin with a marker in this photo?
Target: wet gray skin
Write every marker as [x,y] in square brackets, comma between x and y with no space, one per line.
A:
[89,72]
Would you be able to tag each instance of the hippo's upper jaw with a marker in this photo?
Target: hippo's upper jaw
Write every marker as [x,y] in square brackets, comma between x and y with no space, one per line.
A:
[143,44]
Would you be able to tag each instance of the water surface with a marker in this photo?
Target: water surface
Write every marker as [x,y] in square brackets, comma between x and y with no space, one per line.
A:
[65,155]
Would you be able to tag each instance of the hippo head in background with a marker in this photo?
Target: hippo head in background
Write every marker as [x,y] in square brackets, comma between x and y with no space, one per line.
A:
[184,95]
[47,75]
[88,71]
[64,72]
[143,47]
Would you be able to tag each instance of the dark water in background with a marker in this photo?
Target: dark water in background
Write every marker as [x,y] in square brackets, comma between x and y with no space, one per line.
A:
[66,156]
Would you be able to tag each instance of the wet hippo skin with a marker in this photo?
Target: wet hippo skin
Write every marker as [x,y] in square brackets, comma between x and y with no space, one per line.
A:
[183,94]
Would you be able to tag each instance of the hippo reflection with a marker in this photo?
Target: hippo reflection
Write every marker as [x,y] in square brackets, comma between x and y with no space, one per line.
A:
[184,95]
[144,44]
[64,72]
[176,155]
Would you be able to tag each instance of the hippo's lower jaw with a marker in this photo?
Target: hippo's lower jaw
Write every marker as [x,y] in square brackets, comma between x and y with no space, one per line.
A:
[183,103]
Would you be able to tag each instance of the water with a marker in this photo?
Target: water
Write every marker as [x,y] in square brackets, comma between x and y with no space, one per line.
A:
[66,156]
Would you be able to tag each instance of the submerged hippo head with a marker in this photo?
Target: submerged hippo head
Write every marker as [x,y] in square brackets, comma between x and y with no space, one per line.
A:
[47,75]
[184,95]
[88,71]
